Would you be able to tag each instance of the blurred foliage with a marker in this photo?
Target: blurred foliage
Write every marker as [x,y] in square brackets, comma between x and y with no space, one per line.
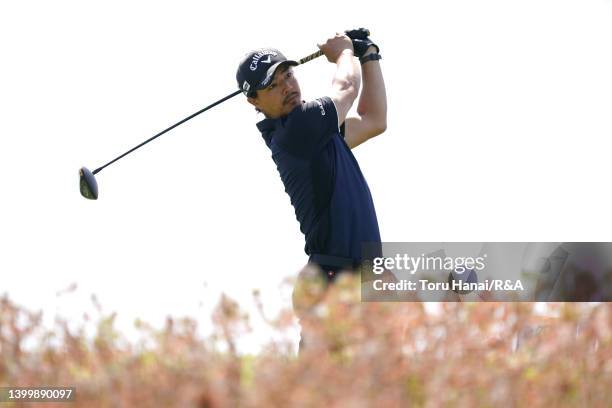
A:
[355,355]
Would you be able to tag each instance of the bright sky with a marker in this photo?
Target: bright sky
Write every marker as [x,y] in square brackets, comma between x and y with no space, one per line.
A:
[498,130]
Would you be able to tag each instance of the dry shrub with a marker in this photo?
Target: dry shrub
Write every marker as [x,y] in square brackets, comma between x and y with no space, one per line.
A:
[355,355]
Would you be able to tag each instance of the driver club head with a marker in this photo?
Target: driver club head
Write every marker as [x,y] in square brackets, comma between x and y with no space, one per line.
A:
[88,184]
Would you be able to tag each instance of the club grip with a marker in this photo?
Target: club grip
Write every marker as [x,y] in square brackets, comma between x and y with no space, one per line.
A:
[311,57]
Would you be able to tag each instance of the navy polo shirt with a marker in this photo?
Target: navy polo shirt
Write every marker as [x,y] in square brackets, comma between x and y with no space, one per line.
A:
[330,196]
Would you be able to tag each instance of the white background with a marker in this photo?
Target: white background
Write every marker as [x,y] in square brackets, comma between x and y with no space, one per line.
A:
[499,125]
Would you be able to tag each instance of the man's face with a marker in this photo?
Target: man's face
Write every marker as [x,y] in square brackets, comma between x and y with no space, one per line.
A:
[281,96]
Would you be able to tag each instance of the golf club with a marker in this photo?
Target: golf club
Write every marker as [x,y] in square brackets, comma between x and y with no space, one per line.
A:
[87,180]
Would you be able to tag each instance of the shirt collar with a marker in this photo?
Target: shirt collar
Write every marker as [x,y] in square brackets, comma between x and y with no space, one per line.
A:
[266,125]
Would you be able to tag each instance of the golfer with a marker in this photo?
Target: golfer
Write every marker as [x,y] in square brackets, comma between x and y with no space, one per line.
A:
[310,144]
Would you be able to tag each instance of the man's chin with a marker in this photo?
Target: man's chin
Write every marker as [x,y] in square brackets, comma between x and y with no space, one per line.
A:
[293,102]
[290,105]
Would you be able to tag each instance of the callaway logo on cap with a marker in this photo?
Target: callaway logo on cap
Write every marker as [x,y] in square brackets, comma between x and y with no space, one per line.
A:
[257,69]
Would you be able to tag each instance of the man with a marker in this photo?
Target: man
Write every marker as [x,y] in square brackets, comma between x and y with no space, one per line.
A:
[311,141]
[310,144]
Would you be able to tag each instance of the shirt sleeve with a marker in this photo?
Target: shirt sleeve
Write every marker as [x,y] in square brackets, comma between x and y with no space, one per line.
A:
[309,127]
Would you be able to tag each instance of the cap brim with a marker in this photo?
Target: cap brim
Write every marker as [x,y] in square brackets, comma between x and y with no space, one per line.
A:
[272,70]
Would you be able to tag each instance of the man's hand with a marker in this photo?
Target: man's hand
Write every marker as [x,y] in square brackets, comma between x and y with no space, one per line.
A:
[361,42]
[336,46]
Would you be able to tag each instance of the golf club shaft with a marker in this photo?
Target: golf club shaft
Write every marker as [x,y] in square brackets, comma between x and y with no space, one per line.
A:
[99,169]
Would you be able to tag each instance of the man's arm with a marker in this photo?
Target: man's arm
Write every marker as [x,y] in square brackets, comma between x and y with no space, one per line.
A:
[372,107]
[346,81]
